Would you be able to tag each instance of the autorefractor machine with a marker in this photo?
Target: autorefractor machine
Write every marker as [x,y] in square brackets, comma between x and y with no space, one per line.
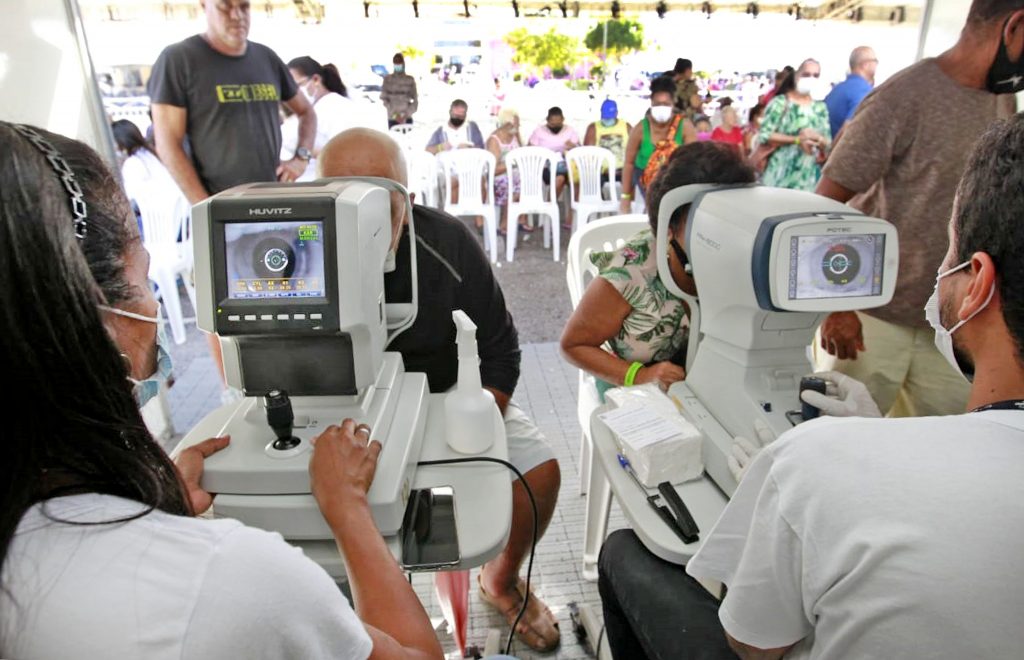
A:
[291,277]
[769,265]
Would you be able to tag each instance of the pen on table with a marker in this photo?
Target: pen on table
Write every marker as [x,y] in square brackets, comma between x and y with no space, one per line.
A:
[624,462]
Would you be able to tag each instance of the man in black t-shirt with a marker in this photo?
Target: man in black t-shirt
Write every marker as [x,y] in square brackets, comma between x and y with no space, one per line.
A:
[454,273]
[223,92]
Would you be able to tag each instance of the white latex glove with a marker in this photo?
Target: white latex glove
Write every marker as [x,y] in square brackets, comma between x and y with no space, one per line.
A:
[744,451]
[846,397]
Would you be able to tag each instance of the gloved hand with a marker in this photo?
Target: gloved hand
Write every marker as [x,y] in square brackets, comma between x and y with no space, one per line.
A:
[744,451]
[846,397]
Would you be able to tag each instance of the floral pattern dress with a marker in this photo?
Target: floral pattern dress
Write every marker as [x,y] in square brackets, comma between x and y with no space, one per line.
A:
[657,328]
[789,166]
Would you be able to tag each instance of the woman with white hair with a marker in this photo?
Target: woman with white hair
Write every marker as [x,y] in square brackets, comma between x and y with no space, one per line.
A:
[504,139]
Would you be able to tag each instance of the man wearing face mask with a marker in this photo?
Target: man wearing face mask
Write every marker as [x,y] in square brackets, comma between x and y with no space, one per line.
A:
[454,273]
[398,93]
[874,538]
[610,132]
[555,135]
[458,133]
[899,159]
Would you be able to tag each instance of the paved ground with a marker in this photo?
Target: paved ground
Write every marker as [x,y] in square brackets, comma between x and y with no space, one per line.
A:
[535,290]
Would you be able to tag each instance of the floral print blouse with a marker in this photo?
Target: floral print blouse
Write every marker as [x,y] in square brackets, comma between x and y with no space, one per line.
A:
[658,325]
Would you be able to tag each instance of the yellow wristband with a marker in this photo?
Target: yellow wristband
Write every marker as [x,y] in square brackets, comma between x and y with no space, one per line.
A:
[797,143]
[626,196]
[631,373]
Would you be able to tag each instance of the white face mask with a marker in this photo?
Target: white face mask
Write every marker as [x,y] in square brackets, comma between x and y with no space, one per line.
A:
[147,388]
[305,92]
[944,337]
[807,86]
[661,113]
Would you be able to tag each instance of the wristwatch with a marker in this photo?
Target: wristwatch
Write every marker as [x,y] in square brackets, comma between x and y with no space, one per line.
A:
[303,153]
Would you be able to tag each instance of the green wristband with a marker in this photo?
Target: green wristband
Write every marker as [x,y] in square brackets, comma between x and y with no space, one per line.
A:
[631,373]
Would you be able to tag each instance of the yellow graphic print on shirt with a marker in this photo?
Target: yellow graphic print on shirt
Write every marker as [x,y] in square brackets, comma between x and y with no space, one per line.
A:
[254,93]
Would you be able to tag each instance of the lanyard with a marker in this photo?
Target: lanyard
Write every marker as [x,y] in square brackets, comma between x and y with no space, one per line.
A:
[1012,404]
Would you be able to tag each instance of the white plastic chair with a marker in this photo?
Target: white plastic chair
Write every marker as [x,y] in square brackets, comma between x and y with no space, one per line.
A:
[589,163]
[423,176]
[474,169]
[530,162]
[165,214]
[602,235]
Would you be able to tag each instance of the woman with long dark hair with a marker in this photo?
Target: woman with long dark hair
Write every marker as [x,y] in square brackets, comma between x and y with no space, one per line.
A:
[146,180]
[101,556]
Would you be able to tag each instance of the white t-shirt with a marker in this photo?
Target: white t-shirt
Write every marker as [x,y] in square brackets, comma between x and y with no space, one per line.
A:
[165,587]
[334,114]
[891,538]
[146,178]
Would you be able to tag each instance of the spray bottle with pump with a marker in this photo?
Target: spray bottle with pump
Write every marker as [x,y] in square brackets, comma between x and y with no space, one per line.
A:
[469,408]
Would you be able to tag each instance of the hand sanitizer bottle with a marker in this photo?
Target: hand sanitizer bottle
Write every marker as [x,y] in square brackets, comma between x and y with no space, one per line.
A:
[469,408]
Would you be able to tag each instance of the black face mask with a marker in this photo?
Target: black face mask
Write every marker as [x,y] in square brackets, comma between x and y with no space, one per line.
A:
[1005,77]
[456,121]
[554,129]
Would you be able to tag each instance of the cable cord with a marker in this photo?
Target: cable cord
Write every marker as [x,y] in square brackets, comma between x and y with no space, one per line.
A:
[536,529]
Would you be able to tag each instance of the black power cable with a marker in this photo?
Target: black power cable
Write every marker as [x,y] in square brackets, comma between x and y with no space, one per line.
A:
[536,529]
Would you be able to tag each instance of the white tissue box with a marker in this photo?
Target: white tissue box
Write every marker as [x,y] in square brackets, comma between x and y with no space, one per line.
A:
[653,436]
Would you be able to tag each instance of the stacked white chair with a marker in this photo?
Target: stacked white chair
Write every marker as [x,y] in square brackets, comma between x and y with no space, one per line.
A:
[589,163]
[601,235]
[165,213]
[534,196]
[474,170]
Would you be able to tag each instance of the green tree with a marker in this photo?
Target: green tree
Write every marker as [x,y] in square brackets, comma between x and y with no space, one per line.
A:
[549,50]
[624,37]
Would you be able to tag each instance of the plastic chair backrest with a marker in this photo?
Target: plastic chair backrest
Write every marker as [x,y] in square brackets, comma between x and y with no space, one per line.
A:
[423,169]
[600,235]
[590,163]
[470,167]
[530,163]
[163,212]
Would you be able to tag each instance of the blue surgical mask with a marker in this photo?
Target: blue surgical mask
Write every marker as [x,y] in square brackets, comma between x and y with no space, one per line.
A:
[399,68]
[609,122]
[147,389]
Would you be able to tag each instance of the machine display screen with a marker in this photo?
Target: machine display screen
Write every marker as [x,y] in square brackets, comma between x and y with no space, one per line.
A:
[275,260]
[836,266]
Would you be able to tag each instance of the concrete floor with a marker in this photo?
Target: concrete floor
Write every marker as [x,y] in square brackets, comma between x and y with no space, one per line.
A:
[535,290]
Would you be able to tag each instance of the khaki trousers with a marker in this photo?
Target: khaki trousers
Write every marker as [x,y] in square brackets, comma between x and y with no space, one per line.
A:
[905,373]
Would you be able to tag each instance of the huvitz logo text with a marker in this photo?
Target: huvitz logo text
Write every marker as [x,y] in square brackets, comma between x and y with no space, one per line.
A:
[278,211]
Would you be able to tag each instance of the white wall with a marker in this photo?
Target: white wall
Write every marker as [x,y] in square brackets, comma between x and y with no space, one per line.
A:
[941,25]
[46,76]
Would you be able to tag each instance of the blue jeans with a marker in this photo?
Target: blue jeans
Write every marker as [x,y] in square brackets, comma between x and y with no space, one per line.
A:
[653,609]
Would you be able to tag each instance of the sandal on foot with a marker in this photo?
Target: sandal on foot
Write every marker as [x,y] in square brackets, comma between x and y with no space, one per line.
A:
[538,628]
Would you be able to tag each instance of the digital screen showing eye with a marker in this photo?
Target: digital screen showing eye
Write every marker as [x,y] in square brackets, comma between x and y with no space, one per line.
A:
[836,266]
[275,260]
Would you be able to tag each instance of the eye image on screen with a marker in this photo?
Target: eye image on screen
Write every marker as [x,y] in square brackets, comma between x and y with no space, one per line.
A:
[836,266]
[268,260]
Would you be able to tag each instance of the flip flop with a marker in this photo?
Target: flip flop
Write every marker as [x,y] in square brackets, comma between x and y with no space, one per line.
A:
[538,628]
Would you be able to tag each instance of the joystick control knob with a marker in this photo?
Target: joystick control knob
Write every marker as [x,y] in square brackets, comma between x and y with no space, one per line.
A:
[281,419]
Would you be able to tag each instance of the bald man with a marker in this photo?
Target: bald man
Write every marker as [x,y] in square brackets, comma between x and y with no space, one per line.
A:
[453,273]
[844,98]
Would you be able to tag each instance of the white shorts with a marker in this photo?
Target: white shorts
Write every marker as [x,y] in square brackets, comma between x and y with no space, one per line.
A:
[527,447]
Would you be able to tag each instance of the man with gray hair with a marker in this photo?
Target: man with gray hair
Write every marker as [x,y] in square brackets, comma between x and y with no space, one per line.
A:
[844,98]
